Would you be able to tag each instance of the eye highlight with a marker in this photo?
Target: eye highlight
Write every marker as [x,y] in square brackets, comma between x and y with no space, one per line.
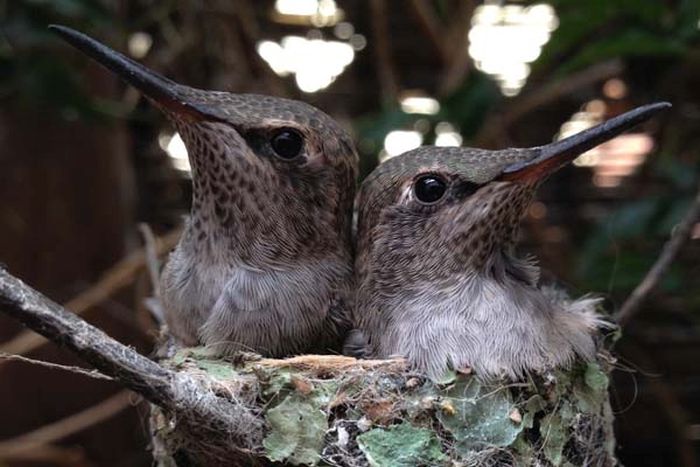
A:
[287,143]
[430,188]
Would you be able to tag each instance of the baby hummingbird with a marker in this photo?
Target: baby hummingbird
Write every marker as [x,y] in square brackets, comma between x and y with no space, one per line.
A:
[437,278]
[264,263]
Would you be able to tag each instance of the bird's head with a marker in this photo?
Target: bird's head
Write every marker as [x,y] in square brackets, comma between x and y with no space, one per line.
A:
[277,176]
[436,211]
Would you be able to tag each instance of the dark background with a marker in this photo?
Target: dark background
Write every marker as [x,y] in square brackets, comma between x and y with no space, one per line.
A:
[81,166]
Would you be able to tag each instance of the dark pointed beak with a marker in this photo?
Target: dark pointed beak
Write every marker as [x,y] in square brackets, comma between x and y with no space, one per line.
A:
[165,92]
[553,156]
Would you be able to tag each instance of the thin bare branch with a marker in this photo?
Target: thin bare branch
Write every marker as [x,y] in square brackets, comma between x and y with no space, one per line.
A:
[68,426]
[49,455]
[430,24]
[669,403]
[55,366]
[91,344]
[150,245]
[679,236]
[460,63]
[382,48]
[539,97]
[201,413]
[118,276]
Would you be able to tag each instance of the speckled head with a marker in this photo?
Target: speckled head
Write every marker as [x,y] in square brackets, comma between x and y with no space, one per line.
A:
[443,210]
[275,176]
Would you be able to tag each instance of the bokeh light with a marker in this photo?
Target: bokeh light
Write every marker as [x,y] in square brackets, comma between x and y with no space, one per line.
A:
[613,160]
[173,145]
[399,141]
[318,13]
[315,63]
[505,39]
[139,44]
[417,104]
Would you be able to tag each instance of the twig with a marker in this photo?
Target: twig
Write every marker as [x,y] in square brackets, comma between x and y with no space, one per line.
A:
[201,413]
[431,26]
[118,276]
[66,427]
[670,405]
[544,95]
[92,345]
[249,28]
[49,455]
[150,246]
[331,363]
[55,366]
[460,63]
[152,303]
[679,236]
[382,47]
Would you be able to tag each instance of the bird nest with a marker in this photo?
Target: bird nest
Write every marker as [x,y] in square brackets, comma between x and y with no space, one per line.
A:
[332,410]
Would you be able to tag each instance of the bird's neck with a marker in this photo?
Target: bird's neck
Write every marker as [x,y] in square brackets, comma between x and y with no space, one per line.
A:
[255,240]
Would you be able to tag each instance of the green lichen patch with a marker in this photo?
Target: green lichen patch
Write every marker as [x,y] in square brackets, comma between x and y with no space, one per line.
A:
[596,378]
[296,431]
[276,383]
[201,359]
[401,445]
[478,416]
[297,425]
[554,429]
[594,392]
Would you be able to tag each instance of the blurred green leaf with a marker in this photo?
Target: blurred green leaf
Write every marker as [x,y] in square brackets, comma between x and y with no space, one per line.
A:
[31,72]
[688,15]
[602,29]
[468,105]
[679,174]
[672,216]
[626,43]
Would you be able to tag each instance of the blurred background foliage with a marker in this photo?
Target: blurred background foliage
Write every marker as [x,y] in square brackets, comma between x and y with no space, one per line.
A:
[84,159]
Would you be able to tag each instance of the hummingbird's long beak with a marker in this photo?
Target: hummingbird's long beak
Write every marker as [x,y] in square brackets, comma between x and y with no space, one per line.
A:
[160,89]
[553,156]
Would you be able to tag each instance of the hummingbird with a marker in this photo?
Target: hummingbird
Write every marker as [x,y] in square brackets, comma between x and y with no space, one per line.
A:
[438,280]
[264,263]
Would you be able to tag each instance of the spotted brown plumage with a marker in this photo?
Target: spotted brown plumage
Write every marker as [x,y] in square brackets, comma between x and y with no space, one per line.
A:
[264,262]
[438,281]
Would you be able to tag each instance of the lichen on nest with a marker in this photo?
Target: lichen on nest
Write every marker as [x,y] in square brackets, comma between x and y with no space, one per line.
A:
[331,410]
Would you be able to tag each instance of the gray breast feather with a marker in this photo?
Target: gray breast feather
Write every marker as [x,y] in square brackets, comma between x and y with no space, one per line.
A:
[494,328]
[228,308]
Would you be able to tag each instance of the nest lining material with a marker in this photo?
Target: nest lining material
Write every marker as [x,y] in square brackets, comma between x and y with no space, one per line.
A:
[332,410]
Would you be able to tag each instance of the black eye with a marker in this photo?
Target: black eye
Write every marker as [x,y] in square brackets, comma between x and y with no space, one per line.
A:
[430,188]
[287,143]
